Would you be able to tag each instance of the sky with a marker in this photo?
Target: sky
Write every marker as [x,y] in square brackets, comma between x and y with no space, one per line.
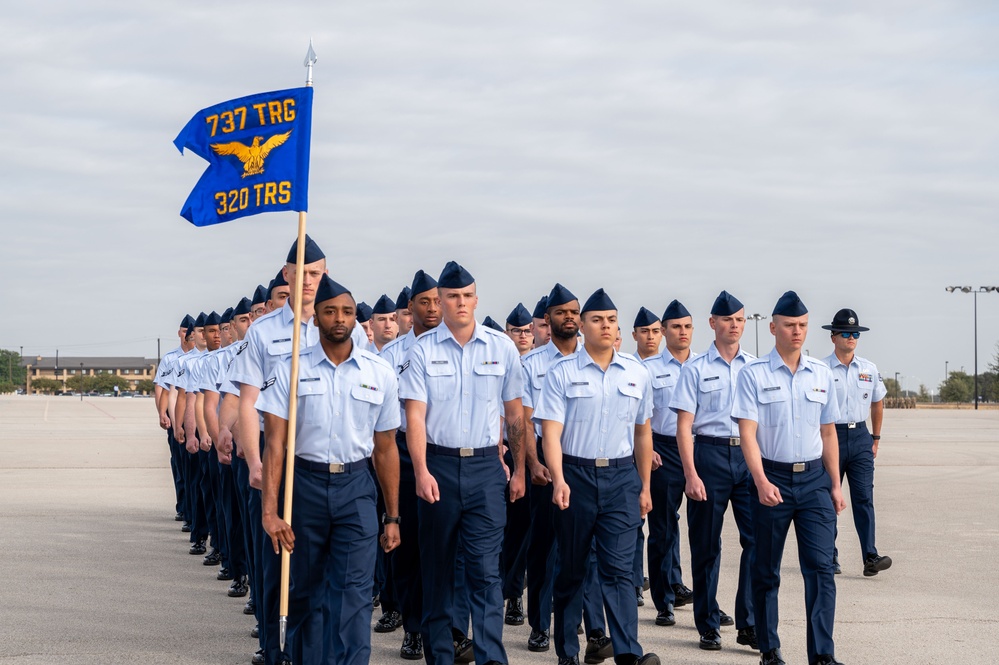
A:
[848,151]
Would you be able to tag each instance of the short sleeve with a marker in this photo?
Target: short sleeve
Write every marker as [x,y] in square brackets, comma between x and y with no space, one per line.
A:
[745,405]
[275,391]
[879,387]
[830,412]
[527,395]
[247,367]
[513,382]
[552,401]
[413,378]
[388,413]
[645,406]
[685,393]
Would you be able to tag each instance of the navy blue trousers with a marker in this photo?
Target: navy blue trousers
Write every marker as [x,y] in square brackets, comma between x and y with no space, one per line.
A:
[195,464]
[603,513]
[807,503]
[856,462]
[178,476]
[336,532]
[667,484]
[230,501]
[269,568]
[516,535]
[470,510]
[726,480]
[249,506]
[211,489]
[384,580]
[405,561]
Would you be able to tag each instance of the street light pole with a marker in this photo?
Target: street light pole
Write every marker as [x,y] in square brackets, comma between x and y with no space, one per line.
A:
[898,386]
[81,382]
[974,292]
[757,318]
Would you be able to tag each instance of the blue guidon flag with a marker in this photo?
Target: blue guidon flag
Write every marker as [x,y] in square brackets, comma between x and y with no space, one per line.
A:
[257,149]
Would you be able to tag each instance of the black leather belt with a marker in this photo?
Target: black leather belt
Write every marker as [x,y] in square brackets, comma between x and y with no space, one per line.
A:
[336,467]
[664,438]
[434,449]
[793,467]
[857,425]
[718,440]
[599,462]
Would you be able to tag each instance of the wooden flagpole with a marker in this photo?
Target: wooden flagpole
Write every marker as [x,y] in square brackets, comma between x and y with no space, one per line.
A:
[289,464]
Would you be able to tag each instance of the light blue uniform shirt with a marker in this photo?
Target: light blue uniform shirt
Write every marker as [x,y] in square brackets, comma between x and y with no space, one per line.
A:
[598,410]
[857,385]
[788,408]
[166,367]
[536,363]
[464,387]
[181,373]
[394,353]
[198,369]
[706,388]
[339,406]
[225,385]
[664,371]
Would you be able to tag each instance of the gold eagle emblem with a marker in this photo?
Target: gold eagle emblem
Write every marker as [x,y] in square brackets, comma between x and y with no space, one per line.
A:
[252,155]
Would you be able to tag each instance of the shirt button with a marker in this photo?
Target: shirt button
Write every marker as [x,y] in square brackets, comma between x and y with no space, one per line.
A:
[338,392]
[466,431]
[337,413]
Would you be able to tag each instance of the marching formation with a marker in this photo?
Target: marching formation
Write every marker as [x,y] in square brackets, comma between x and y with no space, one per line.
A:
[445,466]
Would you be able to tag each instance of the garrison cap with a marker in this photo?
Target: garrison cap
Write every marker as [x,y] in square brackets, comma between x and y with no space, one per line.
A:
[489,323]
[598,302]
[559,296]
[726,305]
[454,277]
[242,307]
[519,316]
[187,321]
[540,308]
[227,315]
[789,304]
[312,251]
[402,302]
[259,296]
[846,320]
[645,318]
[213,319]
[363,312]
[200,321]
[675,310]
[421,282]
[328,289]
[384,306]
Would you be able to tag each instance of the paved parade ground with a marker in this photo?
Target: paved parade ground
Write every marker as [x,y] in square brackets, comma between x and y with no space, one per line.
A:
[95,570]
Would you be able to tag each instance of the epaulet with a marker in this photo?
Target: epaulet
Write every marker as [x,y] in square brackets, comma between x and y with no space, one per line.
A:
[533,352]
[423,334]
[394,342]
[364,353]
[630,358]
[559,361]
[494,333]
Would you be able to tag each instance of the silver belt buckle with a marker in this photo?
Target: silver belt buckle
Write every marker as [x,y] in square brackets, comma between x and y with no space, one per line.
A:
[851,425]
[798,467]
[465,452]
[336,467]
[601,462]
[734,441]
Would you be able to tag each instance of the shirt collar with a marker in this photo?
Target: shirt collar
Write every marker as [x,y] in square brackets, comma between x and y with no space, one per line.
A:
[444,333]
[776,362]
[553,351]
[288,314]
[317,354]
[713,354]
[585,359]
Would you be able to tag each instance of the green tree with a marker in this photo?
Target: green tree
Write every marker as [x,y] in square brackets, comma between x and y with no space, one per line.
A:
[80,384]
[145,386]
[924,394]
[959,387]
[891,385]
[46,385]
[988,386]
[10,368]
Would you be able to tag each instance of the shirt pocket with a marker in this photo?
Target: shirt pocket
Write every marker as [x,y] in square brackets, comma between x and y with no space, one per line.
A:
[709,394]
[364,405]
[313,407]
[279,347]
[814,402]
[442,381]
[487,381]
[629,396]
[773,407]
[662,390]
[580,403]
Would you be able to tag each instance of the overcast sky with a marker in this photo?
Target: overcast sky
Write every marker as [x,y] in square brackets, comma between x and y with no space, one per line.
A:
[848,151]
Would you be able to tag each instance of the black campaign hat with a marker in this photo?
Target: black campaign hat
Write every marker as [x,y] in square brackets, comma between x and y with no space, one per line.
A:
[846,320]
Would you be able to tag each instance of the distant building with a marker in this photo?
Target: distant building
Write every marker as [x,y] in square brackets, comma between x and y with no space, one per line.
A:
[130,369]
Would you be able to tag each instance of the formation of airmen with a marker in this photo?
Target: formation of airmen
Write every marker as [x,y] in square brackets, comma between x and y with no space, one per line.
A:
[444,466]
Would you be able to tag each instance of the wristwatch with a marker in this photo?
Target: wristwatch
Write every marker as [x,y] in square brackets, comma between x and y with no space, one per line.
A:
[389,520]
[876,437]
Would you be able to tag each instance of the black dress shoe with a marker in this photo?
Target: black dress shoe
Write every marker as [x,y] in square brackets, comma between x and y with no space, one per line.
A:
[412,646]
[747,636]
[258,658]
[579,629]
[666,617]
[514,612]
[255,632]
[711,640]
[824,659]
[179,517]
[538,641]
[874,564]
[645,584]
[639,598]
[185,527]
[198,548]
[388,622]
[648,659]
[239,588]
[224,575]
[214,558]
[250,607]
[464,650]
[772,657]
[725,620]
[684,596]
[376,601]
[598,649]
[836,568]
[574,660]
